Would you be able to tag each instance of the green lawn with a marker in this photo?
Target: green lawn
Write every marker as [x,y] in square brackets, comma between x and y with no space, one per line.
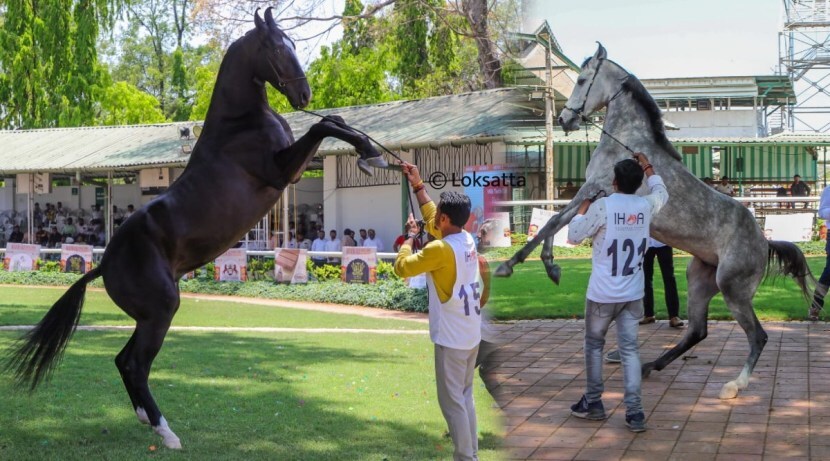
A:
[529,294]
[26,306]
[235,396]
[243,396]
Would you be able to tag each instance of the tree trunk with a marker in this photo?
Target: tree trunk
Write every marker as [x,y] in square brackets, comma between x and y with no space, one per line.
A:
[476,12]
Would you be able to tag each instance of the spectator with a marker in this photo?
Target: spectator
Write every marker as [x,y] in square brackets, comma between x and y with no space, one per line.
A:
[55,238]
[292,241]
[50,213]
[708,181]
[117,216]
[60,210]
[373,241]
[97,215]
[319,244]
[16,235]
[348,238]
[129,212]
[333,245]
[724,187]
[416,243]
[41,236]
[362,237]
[100,235]
[799,188]
[302,242]
[69,229]
[37,214]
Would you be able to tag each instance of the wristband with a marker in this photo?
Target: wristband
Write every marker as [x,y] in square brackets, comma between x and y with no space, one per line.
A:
[647,166]
[418,188]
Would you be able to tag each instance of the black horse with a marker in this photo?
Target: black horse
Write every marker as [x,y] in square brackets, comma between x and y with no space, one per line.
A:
[240,165]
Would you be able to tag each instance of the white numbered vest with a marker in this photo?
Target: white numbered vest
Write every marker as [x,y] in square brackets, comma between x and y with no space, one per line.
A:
[457,323]
[617,271]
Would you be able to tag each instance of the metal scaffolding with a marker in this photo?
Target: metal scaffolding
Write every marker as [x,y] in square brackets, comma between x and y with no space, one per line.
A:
[804,56]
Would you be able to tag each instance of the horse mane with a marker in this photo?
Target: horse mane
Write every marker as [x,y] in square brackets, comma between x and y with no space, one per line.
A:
[639,93]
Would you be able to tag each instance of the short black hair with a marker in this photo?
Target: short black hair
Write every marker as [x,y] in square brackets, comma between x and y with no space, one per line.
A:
[629,175]
[456,206]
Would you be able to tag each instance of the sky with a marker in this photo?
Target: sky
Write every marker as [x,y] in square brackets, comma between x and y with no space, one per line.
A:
[669,38]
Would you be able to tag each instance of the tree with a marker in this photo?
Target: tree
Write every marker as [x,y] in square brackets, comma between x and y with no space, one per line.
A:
[48,61]
[124,104]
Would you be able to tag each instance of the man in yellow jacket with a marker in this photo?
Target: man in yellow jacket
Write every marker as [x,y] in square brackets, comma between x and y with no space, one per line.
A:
[451,265]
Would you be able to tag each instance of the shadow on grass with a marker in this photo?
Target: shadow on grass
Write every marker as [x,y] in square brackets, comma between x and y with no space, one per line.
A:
[236,396]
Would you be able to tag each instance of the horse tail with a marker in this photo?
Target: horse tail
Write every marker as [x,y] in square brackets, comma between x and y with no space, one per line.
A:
[38,352]
[789,260]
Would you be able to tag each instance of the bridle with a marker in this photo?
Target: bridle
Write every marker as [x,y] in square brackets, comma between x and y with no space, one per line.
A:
[580,112]
[281,82]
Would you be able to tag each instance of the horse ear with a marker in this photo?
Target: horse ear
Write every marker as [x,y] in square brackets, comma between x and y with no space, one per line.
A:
[258,21]
[269,19]
[601,53]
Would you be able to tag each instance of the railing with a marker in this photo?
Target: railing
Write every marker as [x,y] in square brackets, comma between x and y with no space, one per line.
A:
[263,253]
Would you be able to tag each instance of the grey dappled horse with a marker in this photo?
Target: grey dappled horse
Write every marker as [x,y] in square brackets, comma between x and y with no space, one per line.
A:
[244,158]
[730,252]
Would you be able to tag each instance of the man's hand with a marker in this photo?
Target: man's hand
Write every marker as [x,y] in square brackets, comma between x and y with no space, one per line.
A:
[411,224]
[641,159]
[412,173]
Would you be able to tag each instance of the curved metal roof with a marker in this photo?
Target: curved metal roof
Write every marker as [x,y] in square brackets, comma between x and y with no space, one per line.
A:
[481,116]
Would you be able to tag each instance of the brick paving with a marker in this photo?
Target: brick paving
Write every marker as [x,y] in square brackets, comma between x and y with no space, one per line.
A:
[783,414]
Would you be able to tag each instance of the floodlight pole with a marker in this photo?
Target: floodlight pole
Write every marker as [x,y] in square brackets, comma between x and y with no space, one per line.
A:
[549,114]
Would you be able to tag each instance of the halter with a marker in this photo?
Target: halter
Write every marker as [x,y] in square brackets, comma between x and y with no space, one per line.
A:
[280,81]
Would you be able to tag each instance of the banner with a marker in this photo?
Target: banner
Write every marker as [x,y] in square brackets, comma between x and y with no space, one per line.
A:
[290,265]
[359,265]
[495,230]
[538,218]
[76,258]
[790,227]
[485,185]
[21,257]
[231,265]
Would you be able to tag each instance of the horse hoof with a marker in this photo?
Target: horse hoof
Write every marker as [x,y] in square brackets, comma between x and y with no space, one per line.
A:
[554,273]
[377,162]
[172,443]
[503,270]
[646,369]
[364,166]
[729,391]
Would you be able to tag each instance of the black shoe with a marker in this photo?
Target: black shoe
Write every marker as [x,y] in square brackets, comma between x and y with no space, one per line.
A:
[636,422]
[613,356]
[594,411]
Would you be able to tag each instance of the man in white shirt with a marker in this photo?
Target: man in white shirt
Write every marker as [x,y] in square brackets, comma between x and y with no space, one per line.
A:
[333,244]
[319,244]
[824,280]
[292,241]
[373,241]
[619,228]
[302,242]
[724,187]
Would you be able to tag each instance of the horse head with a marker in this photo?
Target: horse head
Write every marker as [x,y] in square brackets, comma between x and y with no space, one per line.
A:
[596,86]
[280,66]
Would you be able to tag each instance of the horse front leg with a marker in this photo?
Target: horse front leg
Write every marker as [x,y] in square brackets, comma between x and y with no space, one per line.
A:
[546,233]
[296,157]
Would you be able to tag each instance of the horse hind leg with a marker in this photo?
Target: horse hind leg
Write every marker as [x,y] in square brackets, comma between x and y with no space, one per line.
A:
[702,287]
[154,313]
[737,293]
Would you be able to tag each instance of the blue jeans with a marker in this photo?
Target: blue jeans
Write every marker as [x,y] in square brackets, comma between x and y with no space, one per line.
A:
[598,317]
[824,280]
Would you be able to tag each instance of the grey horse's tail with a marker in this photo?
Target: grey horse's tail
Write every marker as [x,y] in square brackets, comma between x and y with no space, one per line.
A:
[39,351]
[789,260]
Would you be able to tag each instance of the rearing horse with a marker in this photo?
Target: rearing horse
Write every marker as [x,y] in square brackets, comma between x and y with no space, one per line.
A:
[240,165]
[730,252]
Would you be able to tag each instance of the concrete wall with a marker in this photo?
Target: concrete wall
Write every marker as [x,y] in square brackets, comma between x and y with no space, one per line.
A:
[712,123]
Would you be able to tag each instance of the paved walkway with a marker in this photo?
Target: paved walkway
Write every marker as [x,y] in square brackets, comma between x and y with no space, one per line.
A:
[784,414]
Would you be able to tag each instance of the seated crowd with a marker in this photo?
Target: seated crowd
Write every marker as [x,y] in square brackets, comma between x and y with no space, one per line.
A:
[54,226]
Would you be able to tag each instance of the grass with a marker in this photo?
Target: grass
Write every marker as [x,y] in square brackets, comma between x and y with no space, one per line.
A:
[251,396]
[26,306]
[529,294]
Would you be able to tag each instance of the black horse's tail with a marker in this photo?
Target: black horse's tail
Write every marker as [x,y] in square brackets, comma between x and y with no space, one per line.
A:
[789,260]
[41,349]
